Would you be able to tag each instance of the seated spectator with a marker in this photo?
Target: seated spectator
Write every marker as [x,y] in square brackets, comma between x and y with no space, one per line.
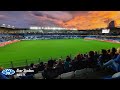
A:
[67,64]
[82,56]
[96,54]
[79,63]
[78,57]
[108,51]
[50,72]
[114,63]
[104,57]
[76,64]
[41,66]
[68,58]
[91,61]
[32,67]
[113,53]
[60,67]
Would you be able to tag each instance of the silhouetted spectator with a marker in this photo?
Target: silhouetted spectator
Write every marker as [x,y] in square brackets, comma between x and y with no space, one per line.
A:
[96,54]
[82,56]
[60,67]
[91,62]
[113,53]
[41,66]
[31,65]
[114,63]
[104,57]
[50,72]
[108,51]
[78,57]
[68,59]
[67,64]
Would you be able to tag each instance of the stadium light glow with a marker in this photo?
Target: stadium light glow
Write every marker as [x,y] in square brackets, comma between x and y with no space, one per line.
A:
[52,28]
[8,26]
[3,25]
[13,27]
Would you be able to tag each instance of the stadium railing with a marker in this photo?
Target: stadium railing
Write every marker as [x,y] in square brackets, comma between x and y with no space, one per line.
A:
[27,62]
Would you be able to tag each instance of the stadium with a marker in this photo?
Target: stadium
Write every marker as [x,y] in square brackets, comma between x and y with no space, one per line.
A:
[67,53]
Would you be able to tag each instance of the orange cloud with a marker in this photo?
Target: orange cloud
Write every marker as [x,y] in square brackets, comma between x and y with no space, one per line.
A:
[94,19]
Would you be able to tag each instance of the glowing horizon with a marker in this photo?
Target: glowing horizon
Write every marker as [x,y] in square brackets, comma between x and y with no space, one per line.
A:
[65,19]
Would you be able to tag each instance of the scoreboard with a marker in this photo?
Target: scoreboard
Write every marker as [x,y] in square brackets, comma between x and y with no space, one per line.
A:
[105,30]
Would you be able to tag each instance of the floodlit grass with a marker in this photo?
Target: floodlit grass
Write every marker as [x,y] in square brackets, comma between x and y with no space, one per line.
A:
[44,50]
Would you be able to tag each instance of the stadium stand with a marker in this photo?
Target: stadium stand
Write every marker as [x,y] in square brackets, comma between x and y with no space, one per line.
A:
[78,68]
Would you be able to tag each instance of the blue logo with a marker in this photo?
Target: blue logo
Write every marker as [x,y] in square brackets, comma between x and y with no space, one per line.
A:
[8,71]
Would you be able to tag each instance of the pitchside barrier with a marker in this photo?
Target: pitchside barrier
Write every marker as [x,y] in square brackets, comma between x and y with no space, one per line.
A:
[19,63]
[27,62]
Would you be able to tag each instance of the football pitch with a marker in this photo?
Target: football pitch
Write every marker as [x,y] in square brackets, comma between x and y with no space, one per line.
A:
[33,51]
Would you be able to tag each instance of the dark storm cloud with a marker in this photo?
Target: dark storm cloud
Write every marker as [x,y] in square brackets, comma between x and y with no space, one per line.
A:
[37,18]
[59,15]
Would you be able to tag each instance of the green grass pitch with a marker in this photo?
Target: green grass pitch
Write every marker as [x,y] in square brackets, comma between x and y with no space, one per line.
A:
[46,49]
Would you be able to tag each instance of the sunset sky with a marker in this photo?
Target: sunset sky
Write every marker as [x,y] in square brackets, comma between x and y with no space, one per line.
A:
[74,19]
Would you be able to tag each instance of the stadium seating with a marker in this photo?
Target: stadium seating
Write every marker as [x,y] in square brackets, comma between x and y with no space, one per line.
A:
[116,75]
[38,76]
[69,75]
[80,74]
[59,77]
